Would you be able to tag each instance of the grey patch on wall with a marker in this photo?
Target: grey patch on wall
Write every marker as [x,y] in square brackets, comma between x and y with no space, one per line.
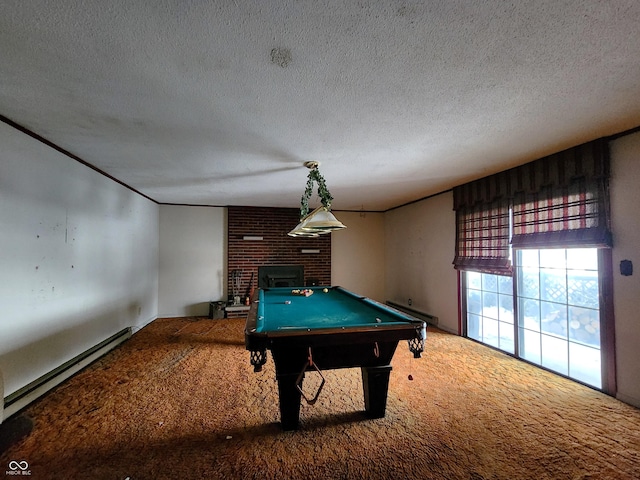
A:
[281,57]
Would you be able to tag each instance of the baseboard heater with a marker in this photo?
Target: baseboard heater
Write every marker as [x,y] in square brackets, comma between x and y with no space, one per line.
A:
[430,319]
[27,394]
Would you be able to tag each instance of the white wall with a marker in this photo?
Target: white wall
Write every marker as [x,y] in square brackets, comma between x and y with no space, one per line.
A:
[625,219]
[78,258]
[357,254]
[419,249]
[193,256]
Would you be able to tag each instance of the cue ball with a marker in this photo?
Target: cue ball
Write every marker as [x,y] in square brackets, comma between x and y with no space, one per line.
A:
[287,302]
[325,290]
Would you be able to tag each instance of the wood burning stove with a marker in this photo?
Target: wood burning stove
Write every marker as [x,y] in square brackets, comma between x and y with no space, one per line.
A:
[281,276]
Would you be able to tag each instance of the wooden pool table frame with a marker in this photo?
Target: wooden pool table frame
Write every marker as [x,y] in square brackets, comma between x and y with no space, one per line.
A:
[369,347]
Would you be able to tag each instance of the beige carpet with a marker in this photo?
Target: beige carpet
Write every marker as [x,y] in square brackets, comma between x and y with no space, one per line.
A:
[180,401]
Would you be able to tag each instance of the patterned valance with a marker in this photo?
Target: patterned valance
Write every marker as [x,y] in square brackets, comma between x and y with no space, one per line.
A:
[561,200]
[588,162]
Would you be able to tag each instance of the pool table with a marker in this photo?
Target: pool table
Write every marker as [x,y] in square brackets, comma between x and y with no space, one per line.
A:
[322,328]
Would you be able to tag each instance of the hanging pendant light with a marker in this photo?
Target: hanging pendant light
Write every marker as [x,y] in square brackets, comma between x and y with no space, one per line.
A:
[321,220]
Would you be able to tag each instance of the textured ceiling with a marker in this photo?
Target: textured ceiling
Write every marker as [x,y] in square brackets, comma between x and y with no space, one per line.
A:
[221,102]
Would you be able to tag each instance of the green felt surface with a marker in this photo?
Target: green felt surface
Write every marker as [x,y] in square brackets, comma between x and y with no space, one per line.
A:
[334,309]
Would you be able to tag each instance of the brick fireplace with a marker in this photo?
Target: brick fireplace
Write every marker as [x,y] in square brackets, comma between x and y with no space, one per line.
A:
[257,237]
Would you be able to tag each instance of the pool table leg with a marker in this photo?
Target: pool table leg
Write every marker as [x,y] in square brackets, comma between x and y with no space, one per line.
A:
[289,400]
[375,381]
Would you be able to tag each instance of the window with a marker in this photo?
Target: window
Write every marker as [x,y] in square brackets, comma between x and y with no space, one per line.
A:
[490,310]
[532,244]
[557,313]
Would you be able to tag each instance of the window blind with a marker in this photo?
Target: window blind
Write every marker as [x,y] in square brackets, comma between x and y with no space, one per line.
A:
[563,200]
[482,238]
[557,201]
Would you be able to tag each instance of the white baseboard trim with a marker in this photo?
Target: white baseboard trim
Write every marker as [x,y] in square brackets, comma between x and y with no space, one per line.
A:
[628,399]
[430,319]
[27,394]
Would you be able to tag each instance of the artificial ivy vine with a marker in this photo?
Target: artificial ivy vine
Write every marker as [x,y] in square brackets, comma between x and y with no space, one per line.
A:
[323,192]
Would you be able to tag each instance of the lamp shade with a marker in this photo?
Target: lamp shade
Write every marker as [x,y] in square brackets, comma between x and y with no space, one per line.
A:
[321,220]
[299,232]
[317,223]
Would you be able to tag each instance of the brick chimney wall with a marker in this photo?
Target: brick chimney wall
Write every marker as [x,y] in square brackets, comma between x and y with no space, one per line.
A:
[275,248]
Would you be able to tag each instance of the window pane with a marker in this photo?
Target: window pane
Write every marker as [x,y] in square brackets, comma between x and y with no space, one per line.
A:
[489,282]
[529,283]
[529,345]
[553,258]
[582,288]
[474,326]
[506,337]
[505,312]
[474,301]
[582,258]
[529,314]
[584,364]
[584,326]
[490,305]
[505,284]
[529,258]
[474,280]
[553,285]
[555,354]
[490,332]
[553,318]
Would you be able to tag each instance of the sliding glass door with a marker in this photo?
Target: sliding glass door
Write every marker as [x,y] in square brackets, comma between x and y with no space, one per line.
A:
[559,311]
[555,320]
